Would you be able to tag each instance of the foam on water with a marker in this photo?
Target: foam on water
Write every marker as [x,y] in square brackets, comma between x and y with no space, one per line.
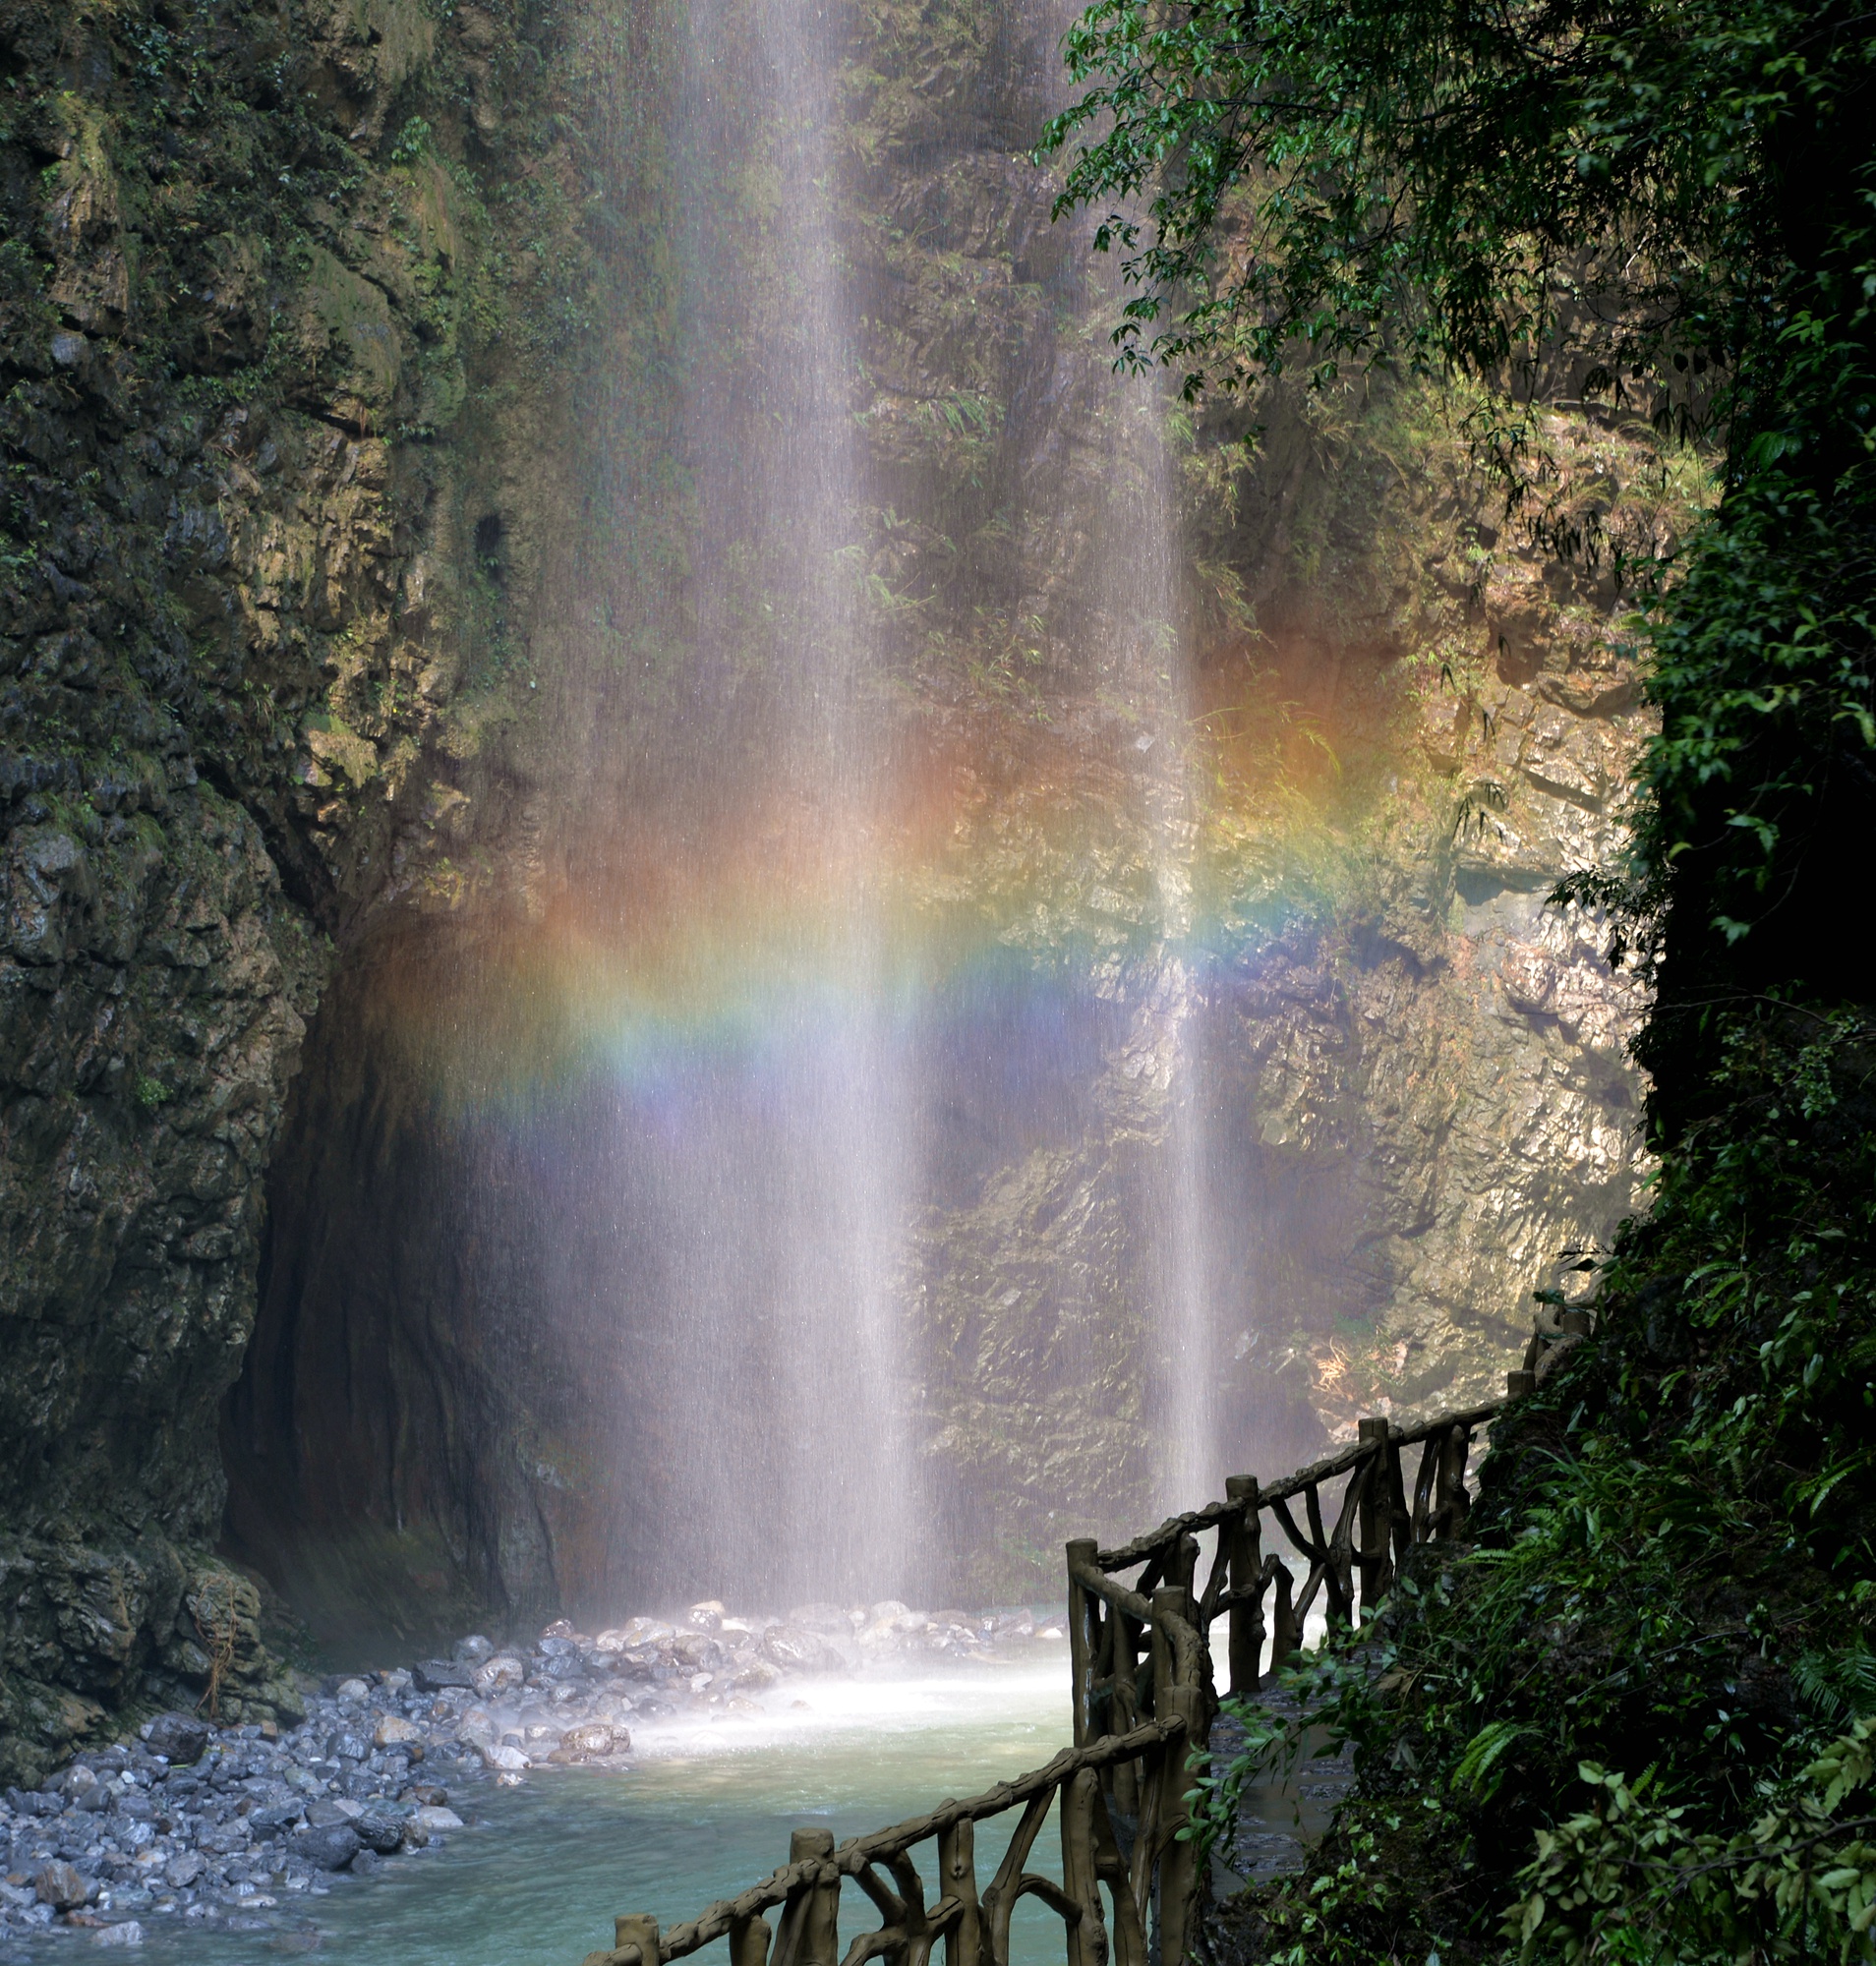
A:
[704,1813]
[878,1707]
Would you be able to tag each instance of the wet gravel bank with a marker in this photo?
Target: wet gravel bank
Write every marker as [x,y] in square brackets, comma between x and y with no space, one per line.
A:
[239,1827]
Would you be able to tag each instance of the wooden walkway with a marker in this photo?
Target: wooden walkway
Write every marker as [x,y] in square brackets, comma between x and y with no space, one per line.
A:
[1144,1706]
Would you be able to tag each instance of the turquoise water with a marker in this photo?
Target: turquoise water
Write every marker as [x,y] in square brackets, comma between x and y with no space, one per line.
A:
[705,1812]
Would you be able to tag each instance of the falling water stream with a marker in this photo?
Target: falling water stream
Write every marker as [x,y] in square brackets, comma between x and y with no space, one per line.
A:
[746,1212]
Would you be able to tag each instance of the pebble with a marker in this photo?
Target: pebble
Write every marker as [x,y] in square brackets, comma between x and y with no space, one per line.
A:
[242,1828]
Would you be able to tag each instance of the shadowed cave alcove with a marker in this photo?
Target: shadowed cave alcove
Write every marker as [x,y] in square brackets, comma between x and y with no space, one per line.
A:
[376,1442]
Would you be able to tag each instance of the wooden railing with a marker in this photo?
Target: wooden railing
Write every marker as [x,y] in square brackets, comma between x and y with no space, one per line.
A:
[1144,1703]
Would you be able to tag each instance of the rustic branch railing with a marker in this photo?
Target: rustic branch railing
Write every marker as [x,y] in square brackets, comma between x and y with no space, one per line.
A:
[1144,1703]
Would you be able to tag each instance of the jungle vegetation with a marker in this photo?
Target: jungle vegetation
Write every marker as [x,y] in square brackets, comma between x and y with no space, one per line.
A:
[1637,1720]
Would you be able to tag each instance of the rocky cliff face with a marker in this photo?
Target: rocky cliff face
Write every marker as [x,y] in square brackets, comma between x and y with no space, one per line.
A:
[259,332]
[352,630]
[1405,1080]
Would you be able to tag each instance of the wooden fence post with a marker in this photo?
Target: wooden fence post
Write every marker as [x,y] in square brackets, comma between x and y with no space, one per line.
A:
[639,1929]
[1452,1479]
[1375,1525]
[1182,1569]
[1244,1576]
[818,1908]
[1083,1550]
[1174,1699]
[1076,1804]
[958,1878]
[749,1941]
[1286,1628]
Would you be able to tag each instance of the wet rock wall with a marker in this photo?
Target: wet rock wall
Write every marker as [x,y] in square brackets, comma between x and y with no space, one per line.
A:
[1408,1079]
[257,313]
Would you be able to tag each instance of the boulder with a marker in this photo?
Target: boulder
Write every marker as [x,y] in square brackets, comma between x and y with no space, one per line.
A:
[393,1731]
[381,1829]
[129,1932]
[71,1788]
[636,1635]
[436,1819]
[473,1651]
[501,1674]
[182,1871]
[596,1737]
[274,1821]
[180,1737]
[795,1649]
[329,1849]
[439,1675]
[63,1887]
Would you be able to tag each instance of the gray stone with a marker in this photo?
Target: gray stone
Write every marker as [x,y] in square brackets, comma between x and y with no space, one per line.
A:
[474,1650]
[498,1675]
[329,1849]
[180,1737]
[440,1675]
[381,1829]
[63,1887]
[796,1650]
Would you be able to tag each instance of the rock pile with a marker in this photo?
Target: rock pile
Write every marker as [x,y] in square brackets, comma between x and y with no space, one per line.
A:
[237,1826]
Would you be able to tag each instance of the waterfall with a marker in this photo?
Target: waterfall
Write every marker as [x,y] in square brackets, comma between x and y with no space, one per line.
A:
[778,1190]
[1146,661]
[772,1218]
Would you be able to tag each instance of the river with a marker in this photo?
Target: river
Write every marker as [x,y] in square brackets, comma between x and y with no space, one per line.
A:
[704,1811]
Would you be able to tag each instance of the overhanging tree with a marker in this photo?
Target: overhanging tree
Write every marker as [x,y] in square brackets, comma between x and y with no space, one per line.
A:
[1668,203]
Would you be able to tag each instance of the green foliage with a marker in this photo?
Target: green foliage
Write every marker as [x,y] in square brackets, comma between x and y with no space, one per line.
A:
[1670,207]
[1453,184]
[1627,1878]
[1676,1536]
[1638,199]
[413,142]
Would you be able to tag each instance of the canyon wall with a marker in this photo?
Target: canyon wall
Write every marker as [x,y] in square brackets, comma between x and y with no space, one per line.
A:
[1410,719]
[280,288]
[351,634]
